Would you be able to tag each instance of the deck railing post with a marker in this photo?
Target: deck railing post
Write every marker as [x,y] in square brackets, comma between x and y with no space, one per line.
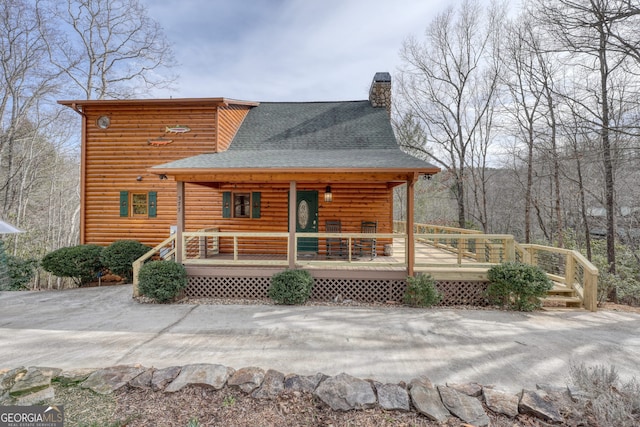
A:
[235,248]
[591,291]
[510,249]
[180,220]
[570,270]
[411,247]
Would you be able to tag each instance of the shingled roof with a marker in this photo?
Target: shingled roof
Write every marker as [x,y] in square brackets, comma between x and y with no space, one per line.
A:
[293,135]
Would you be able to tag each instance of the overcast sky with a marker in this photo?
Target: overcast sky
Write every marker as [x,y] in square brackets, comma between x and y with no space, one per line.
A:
[287,50]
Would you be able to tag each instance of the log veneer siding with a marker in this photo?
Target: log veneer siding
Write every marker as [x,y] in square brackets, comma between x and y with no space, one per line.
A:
[115,157]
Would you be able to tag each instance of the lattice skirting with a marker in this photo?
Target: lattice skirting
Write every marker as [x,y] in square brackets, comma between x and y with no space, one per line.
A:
[364,290]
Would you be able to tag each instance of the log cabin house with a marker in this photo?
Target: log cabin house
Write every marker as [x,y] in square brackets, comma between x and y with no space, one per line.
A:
[240,190]
[267,171]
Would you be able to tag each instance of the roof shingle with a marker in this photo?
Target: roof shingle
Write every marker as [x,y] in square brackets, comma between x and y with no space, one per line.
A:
[293,135]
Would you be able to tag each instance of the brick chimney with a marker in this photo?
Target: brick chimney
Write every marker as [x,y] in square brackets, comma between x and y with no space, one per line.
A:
[380,91]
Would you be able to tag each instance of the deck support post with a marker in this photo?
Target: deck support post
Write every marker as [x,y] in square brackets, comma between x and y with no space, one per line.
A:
[292,252]
[180,219]
[411,246]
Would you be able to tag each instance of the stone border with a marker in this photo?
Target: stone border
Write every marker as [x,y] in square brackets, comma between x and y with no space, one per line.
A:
[28,386]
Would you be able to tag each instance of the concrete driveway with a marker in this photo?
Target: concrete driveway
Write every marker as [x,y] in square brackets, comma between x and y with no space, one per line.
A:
[99,327]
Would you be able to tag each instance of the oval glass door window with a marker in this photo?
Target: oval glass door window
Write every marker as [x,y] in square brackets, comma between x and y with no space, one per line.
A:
[303,214]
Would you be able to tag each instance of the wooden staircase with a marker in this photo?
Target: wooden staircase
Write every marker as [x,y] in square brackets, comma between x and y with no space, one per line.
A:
[561,297]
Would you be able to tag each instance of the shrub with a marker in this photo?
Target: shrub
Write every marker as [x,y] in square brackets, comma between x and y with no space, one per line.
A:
[5,280]
[120,255]
[421,291]
[21,272]
[610,401]
[291,287]
[518,286]
[162,280]
[81,263]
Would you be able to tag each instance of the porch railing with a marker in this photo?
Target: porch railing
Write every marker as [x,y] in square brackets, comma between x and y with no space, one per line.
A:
[565,266]
[434,246]
[165,251]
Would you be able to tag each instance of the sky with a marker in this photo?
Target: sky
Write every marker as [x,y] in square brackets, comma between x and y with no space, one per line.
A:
[287,50]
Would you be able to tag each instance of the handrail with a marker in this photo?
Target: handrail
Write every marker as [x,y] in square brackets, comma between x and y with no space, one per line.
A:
[401,227]
[137,264]
[578,273]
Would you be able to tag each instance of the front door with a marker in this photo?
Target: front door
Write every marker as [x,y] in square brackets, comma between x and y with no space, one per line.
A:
[307,220]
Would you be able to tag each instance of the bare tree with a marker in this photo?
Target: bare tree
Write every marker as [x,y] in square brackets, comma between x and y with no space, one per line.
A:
[523,104]
[605,32]
[27,85]
[110,49]
[439,83]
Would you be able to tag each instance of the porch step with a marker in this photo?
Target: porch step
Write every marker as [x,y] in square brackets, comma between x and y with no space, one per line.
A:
[559,301]
[561,297]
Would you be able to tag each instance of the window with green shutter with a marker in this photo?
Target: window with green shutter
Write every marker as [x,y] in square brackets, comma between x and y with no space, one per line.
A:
[139,204]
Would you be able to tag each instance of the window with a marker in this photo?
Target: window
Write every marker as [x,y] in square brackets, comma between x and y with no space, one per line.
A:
[240,205]
[139,204]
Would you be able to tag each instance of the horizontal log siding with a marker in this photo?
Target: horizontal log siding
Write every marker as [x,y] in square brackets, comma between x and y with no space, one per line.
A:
[229,120]
[116,156]
[352,203]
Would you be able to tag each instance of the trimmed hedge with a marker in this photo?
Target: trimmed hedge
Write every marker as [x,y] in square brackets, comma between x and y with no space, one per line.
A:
[120,255]
[81,263]
[291,287]
[518,286]
[162,280]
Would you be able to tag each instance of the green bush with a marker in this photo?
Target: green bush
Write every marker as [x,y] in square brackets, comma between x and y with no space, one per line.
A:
[518,286]
[291,287]
[421,291]
[162,280]
[120,255]
[81,263]
[21,272]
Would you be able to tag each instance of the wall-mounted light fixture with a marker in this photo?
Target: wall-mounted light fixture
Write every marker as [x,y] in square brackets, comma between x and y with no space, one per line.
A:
[139,178]
[328,195]
[163,177]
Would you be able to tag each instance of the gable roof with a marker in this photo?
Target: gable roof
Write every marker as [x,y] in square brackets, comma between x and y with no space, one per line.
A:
[308,135]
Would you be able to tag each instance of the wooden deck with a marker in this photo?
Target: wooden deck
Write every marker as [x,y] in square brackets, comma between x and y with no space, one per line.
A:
[240,259]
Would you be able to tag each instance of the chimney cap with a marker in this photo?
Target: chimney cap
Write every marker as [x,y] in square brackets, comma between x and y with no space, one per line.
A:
[382,77]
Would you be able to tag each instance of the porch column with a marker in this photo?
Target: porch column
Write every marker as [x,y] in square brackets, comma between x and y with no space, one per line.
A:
[180,219]
[411,246]
[293,202]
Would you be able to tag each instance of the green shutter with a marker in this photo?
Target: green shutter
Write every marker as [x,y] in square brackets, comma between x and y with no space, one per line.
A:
[153,204]
[124,203]
[226,204]
[255,205]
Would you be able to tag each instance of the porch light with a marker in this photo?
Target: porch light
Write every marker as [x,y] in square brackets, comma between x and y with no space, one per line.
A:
[328,196]
[163,176]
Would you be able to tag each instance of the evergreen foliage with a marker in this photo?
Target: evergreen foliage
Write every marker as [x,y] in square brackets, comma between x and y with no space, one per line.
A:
[81,263]
[291,287]
[162,280]
[518,286]
[421,291]
[120,255]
